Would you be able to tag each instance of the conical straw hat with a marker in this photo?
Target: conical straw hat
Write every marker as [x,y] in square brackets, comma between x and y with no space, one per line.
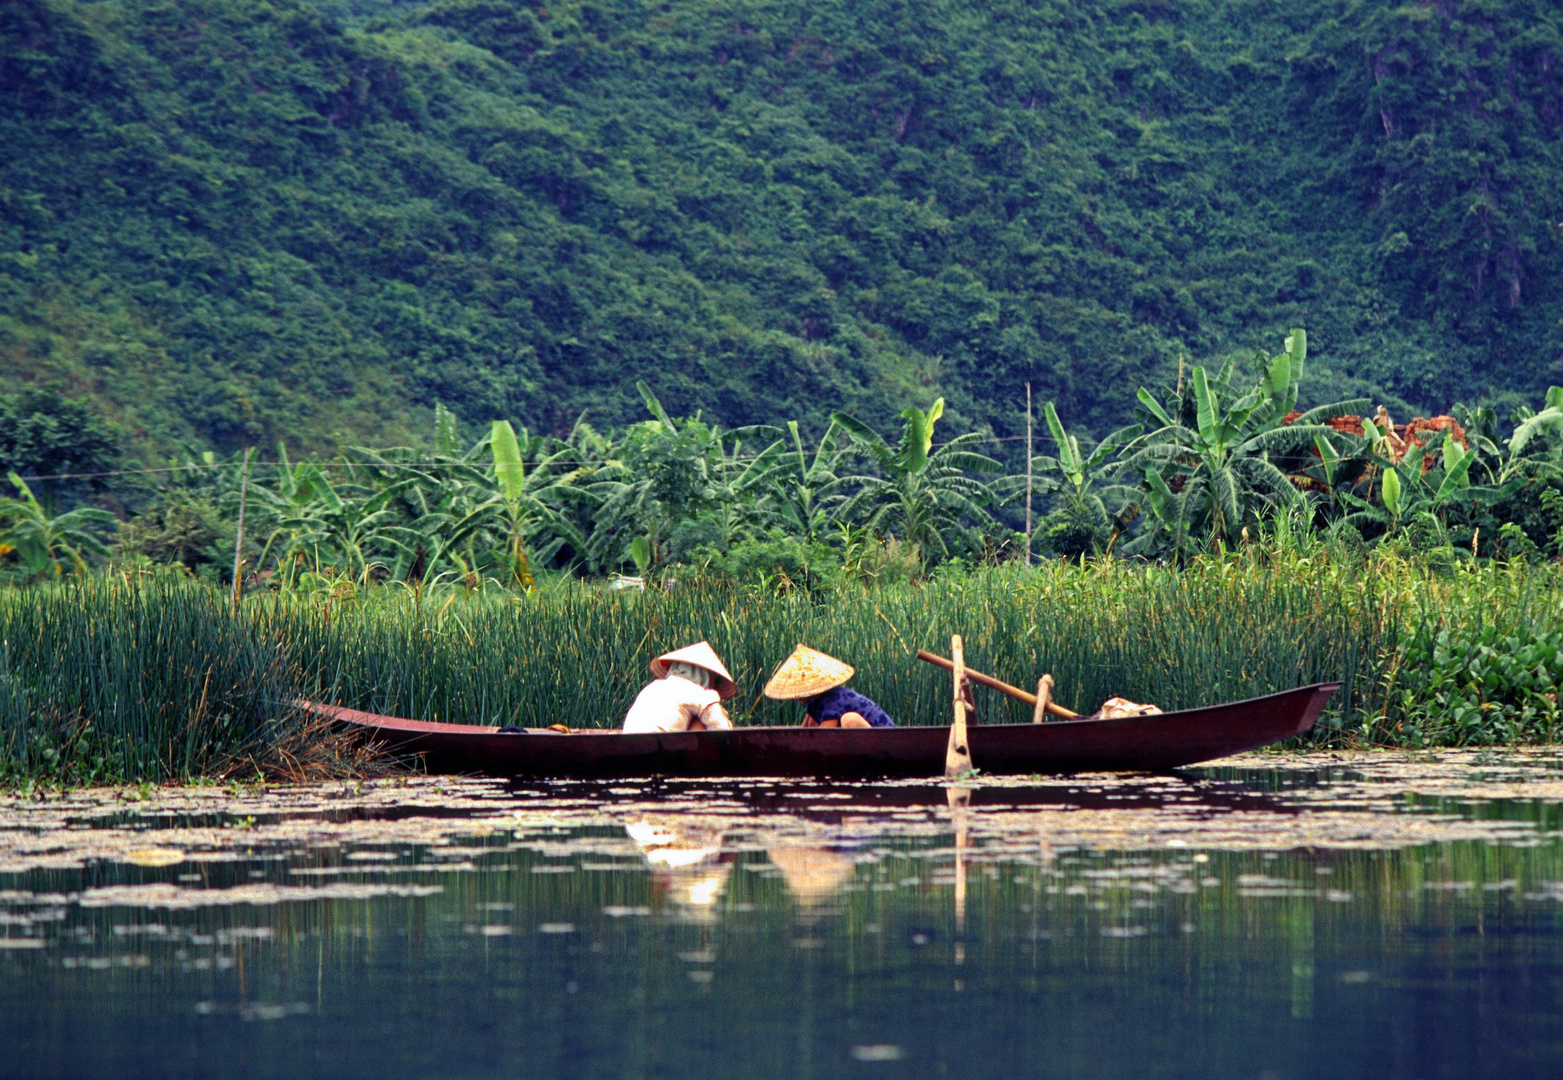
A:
[701,655]
[805,673]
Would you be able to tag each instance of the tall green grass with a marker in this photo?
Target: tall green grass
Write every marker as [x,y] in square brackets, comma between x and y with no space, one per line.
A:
[102,681]
[109,679]
[579,655]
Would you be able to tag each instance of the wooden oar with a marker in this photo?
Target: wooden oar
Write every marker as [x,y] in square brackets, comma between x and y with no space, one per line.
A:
[1003,687]
[957,754]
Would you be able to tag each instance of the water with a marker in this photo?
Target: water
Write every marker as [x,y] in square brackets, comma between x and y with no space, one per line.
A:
[1372,917]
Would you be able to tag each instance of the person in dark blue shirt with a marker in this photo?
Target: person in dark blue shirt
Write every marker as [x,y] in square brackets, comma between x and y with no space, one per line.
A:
[819,680]
[843,704]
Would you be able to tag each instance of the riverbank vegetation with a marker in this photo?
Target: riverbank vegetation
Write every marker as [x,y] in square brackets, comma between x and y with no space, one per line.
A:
[1212,463]
[1224,545]
[123,677]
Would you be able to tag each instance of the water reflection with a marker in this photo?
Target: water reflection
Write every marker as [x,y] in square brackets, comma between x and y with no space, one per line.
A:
[689,870]
[1370,922]
[813,875]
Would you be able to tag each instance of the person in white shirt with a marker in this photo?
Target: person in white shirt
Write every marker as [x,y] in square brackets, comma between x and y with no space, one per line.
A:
[686,694]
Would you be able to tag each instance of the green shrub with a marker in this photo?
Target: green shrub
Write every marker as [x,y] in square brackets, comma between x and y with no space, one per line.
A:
[1491,679]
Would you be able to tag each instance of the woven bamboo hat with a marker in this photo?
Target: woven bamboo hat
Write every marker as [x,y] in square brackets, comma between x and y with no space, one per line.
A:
[702,656]
[805,673]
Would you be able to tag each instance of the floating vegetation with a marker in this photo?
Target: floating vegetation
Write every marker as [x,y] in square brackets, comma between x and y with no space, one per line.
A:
[418,826]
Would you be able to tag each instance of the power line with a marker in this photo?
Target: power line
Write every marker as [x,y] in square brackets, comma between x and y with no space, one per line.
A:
[195,466]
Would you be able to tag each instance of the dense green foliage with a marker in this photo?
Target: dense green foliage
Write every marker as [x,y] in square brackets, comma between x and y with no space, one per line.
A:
[62,444]
[233,221]
[1222,461]
[103,679]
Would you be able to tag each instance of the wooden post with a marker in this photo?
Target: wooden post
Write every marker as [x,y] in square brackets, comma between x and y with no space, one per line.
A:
[957,755]
[1044,692]
[238,535]
[1028,474]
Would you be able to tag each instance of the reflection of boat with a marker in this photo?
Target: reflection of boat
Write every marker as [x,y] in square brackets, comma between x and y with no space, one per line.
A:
[1143,743]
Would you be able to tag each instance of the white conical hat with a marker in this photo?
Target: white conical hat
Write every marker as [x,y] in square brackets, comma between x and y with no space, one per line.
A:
[805,673]
[702,656]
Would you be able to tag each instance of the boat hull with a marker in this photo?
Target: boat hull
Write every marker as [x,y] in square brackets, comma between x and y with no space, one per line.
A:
[1144,743]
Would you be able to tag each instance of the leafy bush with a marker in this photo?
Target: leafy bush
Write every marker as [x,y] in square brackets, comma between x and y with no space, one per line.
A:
[777,562]
[181,531]
[44,435]
[1067,534]
[1480,683]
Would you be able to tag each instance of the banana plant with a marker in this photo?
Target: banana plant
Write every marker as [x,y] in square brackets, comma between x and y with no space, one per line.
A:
[924,495]
[510,475]
[1536,446]
[319,523]
[743,483]
[669,472]
[1227,478]
[47,543]
[447,485]
[660,475]
[802,489]
[1408,492]
[1081,478]
[1166,524]
[521,506]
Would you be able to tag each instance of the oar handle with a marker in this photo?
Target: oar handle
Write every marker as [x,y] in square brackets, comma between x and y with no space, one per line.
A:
[996,684]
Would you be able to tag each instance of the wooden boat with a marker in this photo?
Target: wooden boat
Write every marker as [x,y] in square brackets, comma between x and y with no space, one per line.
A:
[1141,743]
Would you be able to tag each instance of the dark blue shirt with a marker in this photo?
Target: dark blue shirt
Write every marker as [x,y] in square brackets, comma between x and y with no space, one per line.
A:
[832,703]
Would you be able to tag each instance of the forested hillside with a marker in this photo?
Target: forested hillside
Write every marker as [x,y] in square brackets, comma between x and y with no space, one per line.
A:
[233,221]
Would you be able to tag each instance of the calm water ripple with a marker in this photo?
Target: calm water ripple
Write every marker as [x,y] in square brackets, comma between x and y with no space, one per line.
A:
[1367,915]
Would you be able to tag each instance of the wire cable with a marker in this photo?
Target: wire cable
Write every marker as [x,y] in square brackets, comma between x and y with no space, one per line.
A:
[202,465]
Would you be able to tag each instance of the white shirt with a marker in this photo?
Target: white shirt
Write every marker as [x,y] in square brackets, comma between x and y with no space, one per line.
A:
[667,704]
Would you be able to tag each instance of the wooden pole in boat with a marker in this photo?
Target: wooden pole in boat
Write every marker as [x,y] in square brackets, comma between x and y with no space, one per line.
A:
[957,754]
[1044,693]
[995,684]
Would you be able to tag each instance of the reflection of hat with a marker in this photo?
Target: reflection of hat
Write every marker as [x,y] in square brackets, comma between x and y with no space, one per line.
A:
[664,846]
[813,874]
[703,656]
[805,673]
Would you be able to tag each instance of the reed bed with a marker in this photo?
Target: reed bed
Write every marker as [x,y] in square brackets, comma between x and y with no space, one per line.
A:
[108,679]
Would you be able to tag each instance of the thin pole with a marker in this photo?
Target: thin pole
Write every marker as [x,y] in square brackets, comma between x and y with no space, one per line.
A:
[957,754]
[238,534]
[1028,474]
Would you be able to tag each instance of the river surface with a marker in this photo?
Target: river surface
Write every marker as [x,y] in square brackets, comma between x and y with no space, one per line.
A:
[1283,916]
